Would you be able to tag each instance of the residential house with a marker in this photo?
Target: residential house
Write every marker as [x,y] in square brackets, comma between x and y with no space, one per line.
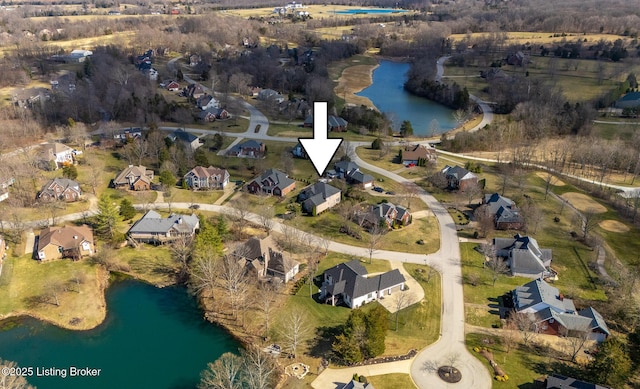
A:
[60,189]
[353,384]
[349,283]
[459,178]
[254,91]
[190,141]
[517,59]
[506,214]
[153,228]
[554,314]
[61,155]
[134,178]
[5,183]
[298,151]
[206,178]
[557,381]
[211,114]
[194,91]
[270,95]
[194,59]
[417,154]
[334,123]
[207,102]
[72,242]
[352,174]
[524,257]
[248,149]
[173,86]
[630,100]
[272,182]
[318,197]
[387,214]
[129,133]
[263,258]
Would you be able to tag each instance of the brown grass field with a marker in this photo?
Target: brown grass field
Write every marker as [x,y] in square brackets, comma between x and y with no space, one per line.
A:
[583,202]
[520,38]
[353,80]
[554,180]
[613,226]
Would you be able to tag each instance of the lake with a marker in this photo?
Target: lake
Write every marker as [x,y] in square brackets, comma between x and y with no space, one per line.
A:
[387,93]
[152,338]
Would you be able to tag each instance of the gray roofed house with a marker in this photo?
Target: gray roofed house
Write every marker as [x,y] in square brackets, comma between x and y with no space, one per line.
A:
[555,314]
[336,124]
[360,179]
[248,149]
[506,214]
[60,189]
[134,178]
[319,197]
[189,140]
[353,384]
[272,182]
[459,178]
[390,214]
[345,168]
[349,282]
[153,228]
[557,381]
[524,256]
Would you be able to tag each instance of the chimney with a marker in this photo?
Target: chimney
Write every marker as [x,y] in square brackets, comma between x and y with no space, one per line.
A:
[561,297]
[130,165]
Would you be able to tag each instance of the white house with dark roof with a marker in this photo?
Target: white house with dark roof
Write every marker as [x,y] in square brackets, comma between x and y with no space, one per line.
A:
[59,153]
[524,257]
[319,197]
[201,177]
[153,228]
[555,314]
[350,283]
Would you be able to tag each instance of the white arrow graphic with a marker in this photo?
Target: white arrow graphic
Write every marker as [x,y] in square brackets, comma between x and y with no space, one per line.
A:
[320,149]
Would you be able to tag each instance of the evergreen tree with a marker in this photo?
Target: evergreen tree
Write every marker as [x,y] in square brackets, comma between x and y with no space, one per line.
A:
[127,211]
[611,364]
[70,172]
[406,129]
[377,326]
[167,178]
[208,240]
[376,144]
[106,218]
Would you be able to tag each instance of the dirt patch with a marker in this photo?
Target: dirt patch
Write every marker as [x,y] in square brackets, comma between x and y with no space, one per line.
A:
[613,226]
[353,80]
[583,202]
[554,180]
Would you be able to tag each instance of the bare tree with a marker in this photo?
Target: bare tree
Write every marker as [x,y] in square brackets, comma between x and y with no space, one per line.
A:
[52,290]
[231,277]
[242,210]
[203,275]
[266,298]
[224,373]
[79,277]
[96,168]
[295,331]
[12,381]
[508,337]
[181,250]
[590,219]
[401,300]
[576,340]
[451,361]
[266,215]
[374,240]
[525,324]
[410,192]
[485,220]
[259,368]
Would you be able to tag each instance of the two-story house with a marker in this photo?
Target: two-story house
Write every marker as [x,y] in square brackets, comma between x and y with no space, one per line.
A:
[272,182]
[60,189]
[319,197]
[72,242]
[206,178]
[134,178]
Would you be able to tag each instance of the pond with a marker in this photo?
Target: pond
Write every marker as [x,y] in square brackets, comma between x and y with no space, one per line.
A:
[387,93]
[151,338]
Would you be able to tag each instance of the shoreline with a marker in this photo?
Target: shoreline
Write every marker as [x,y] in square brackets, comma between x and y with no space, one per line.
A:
[349,93]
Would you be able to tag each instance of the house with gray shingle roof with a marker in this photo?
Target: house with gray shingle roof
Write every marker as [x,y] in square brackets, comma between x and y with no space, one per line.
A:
[506,214]
[248,149]
[524,257]
[62,189]
[263,258]
[272,182]
[189,140]
[390,214]
[557,381]
[134,178]
[459,178]
[153,228]
[555,314]
[350,283]
[319,197]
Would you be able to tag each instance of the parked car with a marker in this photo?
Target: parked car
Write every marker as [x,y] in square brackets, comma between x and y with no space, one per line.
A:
[391,193]
[411,165]
[378,189]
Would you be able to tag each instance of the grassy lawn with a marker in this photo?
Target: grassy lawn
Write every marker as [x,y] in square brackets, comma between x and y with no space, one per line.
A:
[613,131]
[387,162]
[152,264]
[395,380]
[404,239]
[191,196]
[25,289]
[522,367]
[289,130]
